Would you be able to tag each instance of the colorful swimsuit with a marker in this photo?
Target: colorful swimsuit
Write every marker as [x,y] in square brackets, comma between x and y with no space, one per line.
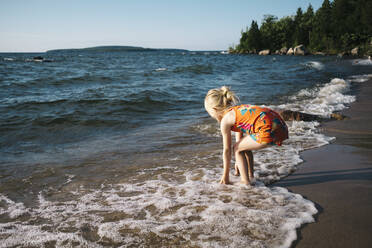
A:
[264,125]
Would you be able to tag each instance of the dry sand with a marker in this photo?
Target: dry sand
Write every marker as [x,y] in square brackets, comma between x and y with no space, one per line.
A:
[338,179]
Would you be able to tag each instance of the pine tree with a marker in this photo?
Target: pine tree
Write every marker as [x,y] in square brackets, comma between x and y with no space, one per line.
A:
[254,37]
[320,37]
[307,23]
[299,32]
[268,32]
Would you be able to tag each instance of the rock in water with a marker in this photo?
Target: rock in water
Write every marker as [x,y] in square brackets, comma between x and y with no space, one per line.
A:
[38,59]
[300,50]
[289,115]
[338,116]
[283,50]
[290,51]
[264,52]
[355,51]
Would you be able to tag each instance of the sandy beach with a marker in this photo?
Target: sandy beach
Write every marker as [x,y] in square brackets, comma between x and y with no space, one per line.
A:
[338,179]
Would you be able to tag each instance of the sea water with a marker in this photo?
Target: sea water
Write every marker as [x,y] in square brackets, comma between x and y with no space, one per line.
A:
[115,149]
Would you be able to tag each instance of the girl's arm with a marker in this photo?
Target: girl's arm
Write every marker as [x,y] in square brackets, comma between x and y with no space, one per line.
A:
[226,137]
[226,124]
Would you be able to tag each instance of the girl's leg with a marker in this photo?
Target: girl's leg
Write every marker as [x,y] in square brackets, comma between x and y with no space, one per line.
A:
[247,143]
[241,163]
[249,159]
[244,157]
[237,173]
[238,137]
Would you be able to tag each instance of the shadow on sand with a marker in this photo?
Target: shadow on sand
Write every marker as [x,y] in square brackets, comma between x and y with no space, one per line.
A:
[326,176]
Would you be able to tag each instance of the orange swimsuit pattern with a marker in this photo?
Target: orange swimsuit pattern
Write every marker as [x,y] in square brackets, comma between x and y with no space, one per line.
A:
[264,125]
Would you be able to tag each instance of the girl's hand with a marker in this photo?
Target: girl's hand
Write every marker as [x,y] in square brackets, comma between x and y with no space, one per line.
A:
[224,180]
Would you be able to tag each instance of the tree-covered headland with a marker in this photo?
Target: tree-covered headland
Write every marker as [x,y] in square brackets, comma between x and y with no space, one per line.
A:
[337,27]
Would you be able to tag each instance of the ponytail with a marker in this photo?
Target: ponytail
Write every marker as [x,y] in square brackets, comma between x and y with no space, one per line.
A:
[220,99]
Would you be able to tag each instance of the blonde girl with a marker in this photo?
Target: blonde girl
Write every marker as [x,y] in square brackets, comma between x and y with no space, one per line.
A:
[256,128]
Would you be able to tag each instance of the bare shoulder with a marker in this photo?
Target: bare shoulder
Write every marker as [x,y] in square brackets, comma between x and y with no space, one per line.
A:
[228,120]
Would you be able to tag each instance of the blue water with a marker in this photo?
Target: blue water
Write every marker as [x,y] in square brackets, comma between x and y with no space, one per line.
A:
[93,119]
[48,107]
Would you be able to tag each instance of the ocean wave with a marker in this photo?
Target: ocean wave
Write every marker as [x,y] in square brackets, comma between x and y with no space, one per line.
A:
[361,62]
[142,99]
[315,64]
[88,112]
[360,78]
[321,100]
[196,69]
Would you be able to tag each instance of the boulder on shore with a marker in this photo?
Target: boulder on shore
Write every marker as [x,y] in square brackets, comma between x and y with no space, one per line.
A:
[283,50]
[355,51]
[290,51]
[254,51]
[300,50]
[264,52]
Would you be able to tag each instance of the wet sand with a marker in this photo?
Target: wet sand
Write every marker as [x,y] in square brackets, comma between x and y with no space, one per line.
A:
[338,179]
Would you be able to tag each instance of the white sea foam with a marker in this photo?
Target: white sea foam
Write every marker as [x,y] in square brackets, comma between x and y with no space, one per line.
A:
[13,210]
[315,64]
[361,62]
[322,100]
[163,213]
[8,59]
[69,178]
[161,69]
[360,78]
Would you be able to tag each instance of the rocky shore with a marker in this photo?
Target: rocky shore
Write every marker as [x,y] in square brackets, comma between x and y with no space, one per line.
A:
[301,50]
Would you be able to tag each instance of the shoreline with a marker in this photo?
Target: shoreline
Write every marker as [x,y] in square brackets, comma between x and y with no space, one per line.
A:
[338,179]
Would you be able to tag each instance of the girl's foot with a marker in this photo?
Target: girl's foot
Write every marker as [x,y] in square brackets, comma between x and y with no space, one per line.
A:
[244,183]
[237,173]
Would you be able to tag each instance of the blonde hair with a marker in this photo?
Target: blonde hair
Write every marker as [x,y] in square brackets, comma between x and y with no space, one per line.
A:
[220,99]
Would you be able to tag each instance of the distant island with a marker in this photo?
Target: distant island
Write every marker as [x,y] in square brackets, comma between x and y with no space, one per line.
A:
[342,27]
[115,49]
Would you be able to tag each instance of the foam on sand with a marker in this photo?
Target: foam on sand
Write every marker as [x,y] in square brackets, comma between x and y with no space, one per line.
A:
[162,213]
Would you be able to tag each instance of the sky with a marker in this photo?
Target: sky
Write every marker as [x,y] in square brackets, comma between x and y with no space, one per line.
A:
[41,25]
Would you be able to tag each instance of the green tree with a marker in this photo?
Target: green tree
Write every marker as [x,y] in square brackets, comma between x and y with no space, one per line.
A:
[285,27]
[254,39]
[268,31]
[243,40]
[321,35]
[342,27]
[307,25]
[299,34]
